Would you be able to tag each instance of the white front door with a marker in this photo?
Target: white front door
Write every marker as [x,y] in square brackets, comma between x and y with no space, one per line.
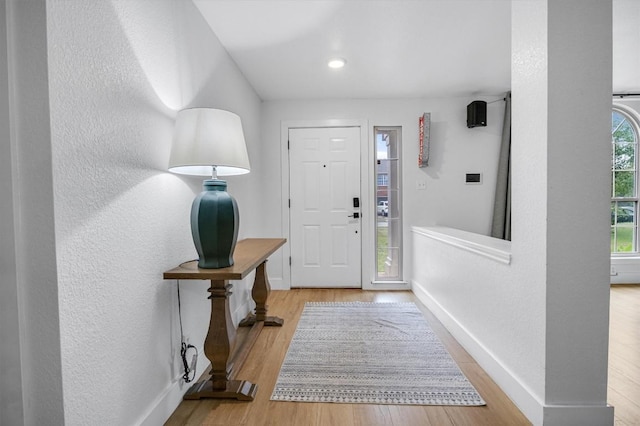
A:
[325,234]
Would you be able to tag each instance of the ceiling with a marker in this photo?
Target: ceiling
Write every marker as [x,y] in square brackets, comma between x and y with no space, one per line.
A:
[393,48]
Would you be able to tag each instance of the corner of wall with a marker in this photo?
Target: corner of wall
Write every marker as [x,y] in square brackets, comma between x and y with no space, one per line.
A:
[36,306]
[11,400]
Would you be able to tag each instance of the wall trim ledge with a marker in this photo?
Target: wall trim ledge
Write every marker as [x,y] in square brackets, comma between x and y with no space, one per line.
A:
[492,248]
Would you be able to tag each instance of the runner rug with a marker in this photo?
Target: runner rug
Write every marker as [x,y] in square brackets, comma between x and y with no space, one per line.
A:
[371,353]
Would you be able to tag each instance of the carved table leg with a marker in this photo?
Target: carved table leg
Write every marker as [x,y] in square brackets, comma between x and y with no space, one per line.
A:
[218,345]
[260,294]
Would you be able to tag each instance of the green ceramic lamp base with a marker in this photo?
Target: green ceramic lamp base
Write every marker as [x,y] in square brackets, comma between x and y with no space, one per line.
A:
[214,225]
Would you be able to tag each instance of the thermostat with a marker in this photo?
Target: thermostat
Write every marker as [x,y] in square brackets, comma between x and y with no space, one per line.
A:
[473,178]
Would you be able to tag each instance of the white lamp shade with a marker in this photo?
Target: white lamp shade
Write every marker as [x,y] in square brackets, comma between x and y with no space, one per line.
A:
[206,137]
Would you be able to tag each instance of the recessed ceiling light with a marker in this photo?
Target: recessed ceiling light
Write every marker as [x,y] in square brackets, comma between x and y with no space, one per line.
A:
[336,63]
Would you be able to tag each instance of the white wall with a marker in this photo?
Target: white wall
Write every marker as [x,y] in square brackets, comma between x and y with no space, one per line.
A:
[626,39]
[539,326]
[455,150]
[97,217]
[11,397]
[33,393]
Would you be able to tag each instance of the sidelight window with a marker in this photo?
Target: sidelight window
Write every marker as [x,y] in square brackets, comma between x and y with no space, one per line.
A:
[388,211]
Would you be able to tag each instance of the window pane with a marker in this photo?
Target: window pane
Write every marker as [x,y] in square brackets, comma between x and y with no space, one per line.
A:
[616,120]
[624,226]
[624,156]
[624,238]
[388,217]
[624,212]
[624,184]
[621,129]
[613,240]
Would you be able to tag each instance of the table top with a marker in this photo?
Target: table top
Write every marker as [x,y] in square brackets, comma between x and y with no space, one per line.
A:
[248,254]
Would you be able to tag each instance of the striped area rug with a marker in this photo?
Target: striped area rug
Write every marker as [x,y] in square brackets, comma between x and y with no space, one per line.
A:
[370,353]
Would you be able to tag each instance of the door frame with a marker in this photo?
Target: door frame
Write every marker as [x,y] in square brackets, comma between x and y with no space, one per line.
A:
[366,199]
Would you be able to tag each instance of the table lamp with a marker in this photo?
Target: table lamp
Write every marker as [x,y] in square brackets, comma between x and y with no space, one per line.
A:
[210,142]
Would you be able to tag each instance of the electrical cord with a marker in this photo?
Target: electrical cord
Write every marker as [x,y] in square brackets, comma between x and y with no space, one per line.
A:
[189,369]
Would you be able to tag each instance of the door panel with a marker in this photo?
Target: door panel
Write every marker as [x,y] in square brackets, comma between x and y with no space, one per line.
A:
[324,167]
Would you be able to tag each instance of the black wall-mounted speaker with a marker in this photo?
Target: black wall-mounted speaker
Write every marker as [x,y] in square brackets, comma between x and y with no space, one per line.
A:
[477,114]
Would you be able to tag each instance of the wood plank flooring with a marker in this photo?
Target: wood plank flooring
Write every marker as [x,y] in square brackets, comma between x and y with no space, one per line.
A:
[624,354]
[263,365]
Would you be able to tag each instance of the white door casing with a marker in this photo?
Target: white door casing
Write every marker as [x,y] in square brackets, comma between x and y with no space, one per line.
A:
[324,179]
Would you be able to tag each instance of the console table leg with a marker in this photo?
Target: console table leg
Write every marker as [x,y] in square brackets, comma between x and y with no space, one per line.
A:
[218,345]
[260,294]
[221,336]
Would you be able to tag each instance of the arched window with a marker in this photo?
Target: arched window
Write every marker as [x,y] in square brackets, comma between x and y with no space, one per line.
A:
[624,187]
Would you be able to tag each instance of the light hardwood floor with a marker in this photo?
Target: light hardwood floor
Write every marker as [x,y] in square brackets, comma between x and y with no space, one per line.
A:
[624,354]
[263,365]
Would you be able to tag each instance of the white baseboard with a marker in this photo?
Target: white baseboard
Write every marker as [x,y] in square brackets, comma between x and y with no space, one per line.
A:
[242,311]
[529,403]
[167,402]
[278,284]
[518,392]
[625,270]
[578,415]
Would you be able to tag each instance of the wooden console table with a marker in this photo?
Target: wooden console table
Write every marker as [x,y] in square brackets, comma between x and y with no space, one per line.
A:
[220,343]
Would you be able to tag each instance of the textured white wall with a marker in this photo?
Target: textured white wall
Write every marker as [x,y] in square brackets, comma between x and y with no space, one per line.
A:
[540,326]
[455,150]
[119,71]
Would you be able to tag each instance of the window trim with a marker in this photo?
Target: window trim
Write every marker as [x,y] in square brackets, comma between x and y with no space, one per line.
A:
[633,118]
[400,261]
